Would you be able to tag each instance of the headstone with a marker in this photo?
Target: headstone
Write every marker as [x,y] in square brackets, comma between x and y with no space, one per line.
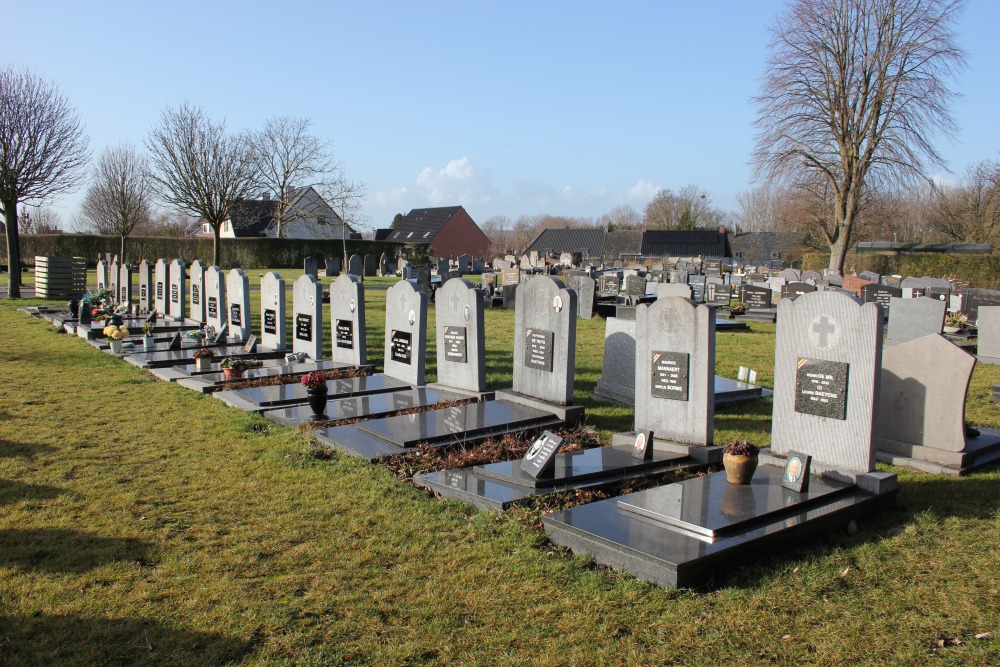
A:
[197,287]
[461,343]
[125,286]
[790,275]
[102,275]
[988,324]
[854,283]
[347,321]
[756,298]
[713,267]
[310,265]
[682,290]
[545,340]
[215,298]
[827,362]
[812,275]
[405,333]
[113,279]
[719,295]
[177,290]
[538,460]
[307,317]
[585,287]
[383,265]
[921,409]
[332,267]
[910,319]
[146,287]
[238,297]
[675,370]
[424,279]
[442,267]
[272,312]
[635,286]
[371,266]
[609,284]
[796,289]
[509,293]
[356,266]
[162,279]
[870,275]
[881,294]
[463,264]
[697,284]
[975,298]
[510,276]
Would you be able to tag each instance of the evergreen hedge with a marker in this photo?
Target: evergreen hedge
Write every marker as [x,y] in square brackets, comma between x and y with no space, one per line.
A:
[255,253]
[979,270]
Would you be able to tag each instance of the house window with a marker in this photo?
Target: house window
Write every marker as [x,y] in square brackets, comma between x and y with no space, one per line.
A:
[427,235]
[410,235]
[204,228]
[225,226]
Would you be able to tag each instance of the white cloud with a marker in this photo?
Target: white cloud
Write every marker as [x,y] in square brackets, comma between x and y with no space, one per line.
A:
[944,179]
[643,191]
[394,197]
[459,182]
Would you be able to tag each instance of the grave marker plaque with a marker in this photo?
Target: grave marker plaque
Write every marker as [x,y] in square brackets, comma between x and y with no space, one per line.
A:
[454,344]
[669,376]
[538,349]
[537,461]
[402,347]
[304,327]
[344,334]
[821,388]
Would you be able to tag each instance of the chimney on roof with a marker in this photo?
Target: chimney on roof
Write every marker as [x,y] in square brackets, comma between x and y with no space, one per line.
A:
[265,196]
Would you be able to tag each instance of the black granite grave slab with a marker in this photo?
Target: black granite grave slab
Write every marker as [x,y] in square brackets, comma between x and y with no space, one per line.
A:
[213,380]
[669,555]
[258,399]
[367,406]
[456,425]
[184,357]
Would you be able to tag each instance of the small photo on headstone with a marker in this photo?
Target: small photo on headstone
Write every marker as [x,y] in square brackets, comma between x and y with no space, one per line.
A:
[642,446]
[796,475]
[537,462]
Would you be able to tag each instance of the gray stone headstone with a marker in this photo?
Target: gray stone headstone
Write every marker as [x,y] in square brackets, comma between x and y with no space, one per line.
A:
[356,266]
[812,275]
[617,381]
[675,370]
[463,264]
[332,267]
[442,267]
[197,288]
[796,289]
[371,266]
[682,290]
[870,275]
[162,286]
[828,357]
[461,343]
[910,319]
[307,316]
[609,284]
[102,275]
[585,289]
[113,269]
[383,265]
[974,298]
[238,298]
[273,333]
[718,295]
[310,265]
[545,340]
[790,275]
[146,286]
[988,324]
[177,299]
[347,321]
[405,333]
[510,275]
[215,298]
[881,294]
[125,286]
[922,397]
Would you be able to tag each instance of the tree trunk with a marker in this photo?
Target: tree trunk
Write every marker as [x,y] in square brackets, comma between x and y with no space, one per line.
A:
[13,250]
[216,250]
[121,255]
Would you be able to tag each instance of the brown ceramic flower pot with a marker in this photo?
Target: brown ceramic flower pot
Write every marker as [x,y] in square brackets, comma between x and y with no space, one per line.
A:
[232,373]
[739,469]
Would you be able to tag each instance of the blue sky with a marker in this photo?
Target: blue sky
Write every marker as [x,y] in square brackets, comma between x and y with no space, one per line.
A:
[512,108]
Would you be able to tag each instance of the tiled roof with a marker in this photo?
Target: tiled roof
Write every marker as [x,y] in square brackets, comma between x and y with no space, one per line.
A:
[678,243]
[253,217]
[588,241]
[422,224]
[764,245]
[620,243]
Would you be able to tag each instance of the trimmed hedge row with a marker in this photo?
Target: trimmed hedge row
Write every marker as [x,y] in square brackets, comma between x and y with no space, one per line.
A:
[256,253]
[979,270]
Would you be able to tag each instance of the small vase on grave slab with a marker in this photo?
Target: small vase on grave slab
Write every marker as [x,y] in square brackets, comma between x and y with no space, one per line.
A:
[116,346]
[317,402]
[740,460]
[148,343]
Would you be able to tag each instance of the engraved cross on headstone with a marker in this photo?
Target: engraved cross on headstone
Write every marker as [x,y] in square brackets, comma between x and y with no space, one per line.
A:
[823,328]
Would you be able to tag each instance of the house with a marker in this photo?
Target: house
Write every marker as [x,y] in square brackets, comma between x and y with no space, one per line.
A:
[767,246]
[449,230]
[632,245]
[308,216]
[685,243]
[588,242]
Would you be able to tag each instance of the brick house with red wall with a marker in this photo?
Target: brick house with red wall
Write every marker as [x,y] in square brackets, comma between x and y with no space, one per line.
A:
[449,230]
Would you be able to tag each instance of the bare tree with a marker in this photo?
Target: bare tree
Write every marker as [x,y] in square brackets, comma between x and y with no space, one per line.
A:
[762,209]
[119,199]
[969,212]
[853,91]
[689,208]
[43,153]
[199,167]
[498,230]
[620,218]
[288,156]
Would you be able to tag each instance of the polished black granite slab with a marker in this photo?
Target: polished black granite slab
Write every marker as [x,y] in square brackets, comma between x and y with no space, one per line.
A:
[96,329]
[459,425]
[760,315]
[371,406]
[497,493]
[209,381]
[726,324]
[657,551]
[186,356]
[451,424]
[577,466]
[728,391]
[711,506]
[265,398]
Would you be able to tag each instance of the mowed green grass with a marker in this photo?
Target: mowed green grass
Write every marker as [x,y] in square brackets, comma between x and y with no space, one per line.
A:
[141,523]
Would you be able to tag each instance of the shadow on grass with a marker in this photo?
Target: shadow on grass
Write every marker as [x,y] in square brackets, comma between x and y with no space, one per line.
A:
[976,496]
[11,492]
[73,639]
[10,449]
[61,550]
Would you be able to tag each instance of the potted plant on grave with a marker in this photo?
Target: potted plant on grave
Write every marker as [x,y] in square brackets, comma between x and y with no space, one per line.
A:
[955,322]
[116,335]
[740,459]
[147,337]
[736,307]
[316,388]
[203,359]
[234,367]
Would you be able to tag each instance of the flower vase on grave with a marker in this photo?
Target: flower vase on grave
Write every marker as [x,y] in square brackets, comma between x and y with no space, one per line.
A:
[739,469]
[317,401]
[148,343]
[202,364]
[232,373]
[74,307]
[116,346]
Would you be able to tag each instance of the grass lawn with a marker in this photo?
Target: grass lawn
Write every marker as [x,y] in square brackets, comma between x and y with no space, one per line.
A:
[141,523]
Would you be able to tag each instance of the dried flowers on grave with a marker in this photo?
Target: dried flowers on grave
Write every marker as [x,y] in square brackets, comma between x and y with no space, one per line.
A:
[313,380]
[741,448]
[113,332]
[956,320]
[204,353]
[737,306]
[239,364]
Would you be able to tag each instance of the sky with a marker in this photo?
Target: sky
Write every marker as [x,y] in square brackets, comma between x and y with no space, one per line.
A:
[562,107]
